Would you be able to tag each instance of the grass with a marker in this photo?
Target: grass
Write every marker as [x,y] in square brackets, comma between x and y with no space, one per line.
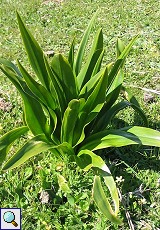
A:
[54,25]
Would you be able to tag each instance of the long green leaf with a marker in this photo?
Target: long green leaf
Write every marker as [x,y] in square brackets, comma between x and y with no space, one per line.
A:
[114,89]
[96,50]
[86,160]
[91,84]
[16,80]
[41,93]
[35,54]
[111,97]
[63,71]
[33,112]
[97,66]
[97,98]
[56,88]
[78,134]
[94,93]
[82,46]
[8,139]
[122,137]
[102,202]
[71,54]
[69,121]
[127,49]
[105,119]
[120,61]
[10,65]
[113,73]
[33,147]
[34,116]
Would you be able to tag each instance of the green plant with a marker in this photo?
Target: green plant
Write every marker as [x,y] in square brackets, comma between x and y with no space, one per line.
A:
[68,108]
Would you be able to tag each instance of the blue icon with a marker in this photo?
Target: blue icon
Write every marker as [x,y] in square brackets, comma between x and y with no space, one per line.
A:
[9,217]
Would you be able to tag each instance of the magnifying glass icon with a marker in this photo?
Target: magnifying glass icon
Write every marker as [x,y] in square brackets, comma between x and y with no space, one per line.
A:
[9,217]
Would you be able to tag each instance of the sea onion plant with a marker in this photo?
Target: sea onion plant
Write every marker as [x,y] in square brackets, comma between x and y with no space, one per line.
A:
[68,107]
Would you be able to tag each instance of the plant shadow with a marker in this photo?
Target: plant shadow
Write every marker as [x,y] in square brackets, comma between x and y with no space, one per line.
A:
[129,160]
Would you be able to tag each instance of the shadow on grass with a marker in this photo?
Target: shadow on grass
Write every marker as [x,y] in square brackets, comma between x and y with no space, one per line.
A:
[128,161]
[137,165]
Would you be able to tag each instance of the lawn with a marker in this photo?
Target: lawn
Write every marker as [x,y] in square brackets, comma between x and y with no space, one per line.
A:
[33,186]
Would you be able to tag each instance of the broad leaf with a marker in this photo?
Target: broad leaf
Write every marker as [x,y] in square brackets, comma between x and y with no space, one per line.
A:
[33,147]
[69,121]
[122,137]
[102,202]
[86,160]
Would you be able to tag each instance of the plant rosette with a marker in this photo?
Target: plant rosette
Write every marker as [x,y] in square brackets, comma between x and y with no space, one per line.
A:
[68,108]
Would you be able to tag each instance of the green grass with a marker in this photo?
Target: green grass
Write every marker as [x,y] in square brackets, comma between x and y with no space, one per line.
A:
[54,25]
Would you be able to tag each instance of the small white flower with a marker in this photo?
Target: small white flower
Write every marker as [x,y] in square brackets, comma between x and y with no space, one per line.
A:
[44,197]
[142,201]
[119,179]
